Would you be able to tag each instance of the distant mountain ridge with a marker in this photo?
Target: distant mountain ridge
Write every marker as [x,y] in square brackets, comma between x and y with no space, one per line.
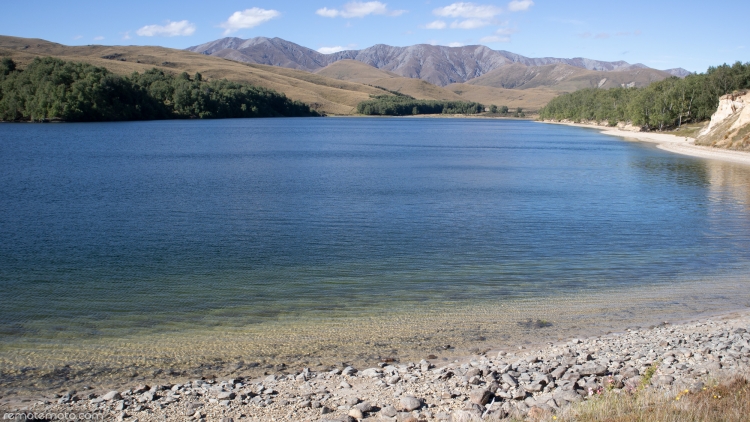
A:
[438,65]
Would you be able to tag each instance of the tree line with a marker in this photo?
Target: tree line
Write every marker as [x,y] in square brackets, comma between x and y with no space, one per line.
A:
[53,89]
[404,105]
[661,105]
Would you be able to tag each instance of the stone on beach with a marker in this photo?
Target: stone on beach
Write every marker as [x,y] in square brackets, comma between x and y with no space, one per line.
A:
[410,403]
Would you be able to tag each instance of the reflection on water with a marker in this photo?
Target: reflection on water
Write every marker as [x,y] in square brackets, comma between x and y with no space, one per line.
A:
[140,247]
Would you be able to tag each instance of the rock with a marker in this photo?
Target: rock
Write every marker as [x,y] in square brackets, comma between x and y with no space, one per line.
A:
[508,379]
[663,380]
[141,388]
[558,372]
[325,410]
[697,387]
[473,372]
[364,407]
[629,372]
[389,411]
[226,395]
[393,380]
[348,371]
[518,393]
[712,367]
[593,370]
[112,395]
[480,397]
[534,387]
[345,384]
[410,403]
[372,373]
[356,413]
[227,420]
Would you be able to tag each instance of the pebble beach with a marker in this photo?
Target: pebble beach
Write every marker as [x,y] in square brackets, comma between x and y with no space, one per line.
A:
[520,383]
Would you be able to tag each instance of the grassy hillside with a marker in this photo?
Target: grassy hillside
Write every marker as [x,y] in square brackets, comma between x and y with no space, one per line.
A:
[565,78]
[321,93]
[354,71]
[336,89]
[528,99]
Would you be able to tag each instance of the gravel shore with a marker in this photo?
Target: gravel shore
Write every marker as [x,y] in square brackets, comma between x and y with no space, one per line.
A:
[492,386]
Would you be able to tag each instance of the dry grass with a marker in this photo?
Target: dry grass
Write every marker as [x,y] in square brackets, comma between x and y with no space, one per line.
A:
[689,130]
[336,89]
[564,78]
[329,95]
[528,99]
[355,71]
[725,402]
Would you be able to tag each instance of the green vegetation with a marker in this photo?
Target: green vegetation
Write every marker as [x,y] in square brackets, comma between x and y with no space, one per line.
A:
[661,105]
[404,105]
[53,89]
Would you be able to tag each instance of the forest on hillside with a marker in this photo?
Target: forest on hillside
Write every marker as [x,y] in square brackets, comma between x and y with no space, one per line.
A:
[53,89]
[404,105]
[661,105]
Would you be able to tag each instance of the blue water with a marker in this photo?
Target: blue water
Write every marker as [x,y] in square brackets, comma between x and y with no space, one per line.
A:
[116,228]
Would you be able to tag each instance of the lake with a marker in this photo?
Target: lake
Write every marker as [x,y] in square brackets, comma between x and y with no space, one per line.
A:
[164,245]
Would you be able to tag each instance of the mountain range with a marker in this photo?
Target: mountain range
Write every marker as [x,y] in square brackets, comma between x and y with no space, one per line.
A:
[339,86]
[438,65]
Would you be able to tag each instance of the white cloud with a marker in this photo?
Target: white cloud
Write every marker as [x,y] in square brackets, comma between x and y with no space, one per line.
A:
[171,29]
[331,50]
[78,37]
[520,5]
[500,35]
[455,44]
[436,25]
[468,11]
[359,9]
[494,38]
[126,35]
[327,13]
[248,18]
[470,24]
[99,38]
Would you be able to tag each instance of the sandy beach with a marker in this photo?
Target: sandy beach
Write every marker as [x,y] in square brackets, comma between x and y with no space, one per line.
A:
[671,143]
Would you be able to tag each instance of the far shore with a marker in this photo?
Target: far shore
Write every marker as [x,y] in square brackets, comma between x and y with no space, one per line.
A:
[672,143]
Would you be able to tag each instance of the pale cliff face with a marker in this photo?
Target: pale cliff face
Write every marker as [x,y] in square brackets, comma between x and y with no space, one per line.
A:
[728,106]
[730,125]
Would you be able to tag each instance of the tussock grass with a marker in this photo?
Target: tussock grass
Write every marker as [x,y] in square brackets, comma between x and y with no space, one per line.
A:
[725,402]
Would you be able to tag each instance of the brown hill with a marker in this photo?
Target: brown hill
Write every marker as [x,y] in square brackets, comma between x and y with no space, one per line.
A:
[354,71]
[324,94]
[529,99]
[565,78]
[336,89]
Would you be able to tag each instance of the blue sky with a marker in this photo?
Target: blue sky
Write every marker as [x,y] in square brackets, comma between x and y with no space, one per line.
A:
[660,34]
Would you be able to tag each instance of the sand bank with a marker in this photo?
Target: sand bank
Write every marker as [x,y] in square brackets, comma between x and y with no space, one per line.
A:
[672,143]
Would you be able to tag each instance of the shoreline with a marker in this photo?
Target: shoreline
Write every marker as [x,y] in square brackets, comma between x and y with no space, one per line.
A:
[668,142]
[509,382]
[577,316]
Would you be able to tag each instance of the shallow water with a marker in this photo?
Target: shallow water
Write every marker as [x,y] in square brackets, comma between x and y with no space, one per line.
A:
[132,247]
